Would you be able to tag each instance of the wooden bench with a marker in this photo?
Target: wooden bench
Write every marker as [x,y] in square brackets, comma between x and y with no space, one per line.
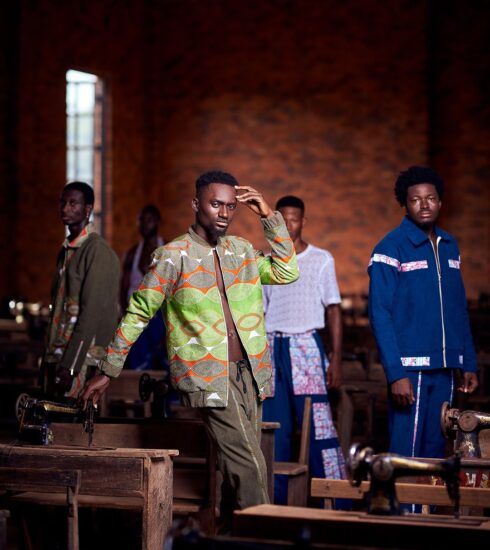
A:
[309,527]
[194,471]
[44,480]
[298,472]
[127,479]
[410,493]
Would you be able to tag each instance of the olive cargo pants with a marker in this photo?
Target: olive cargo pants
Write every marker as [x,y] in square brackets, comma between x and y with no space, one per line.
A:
[236,431]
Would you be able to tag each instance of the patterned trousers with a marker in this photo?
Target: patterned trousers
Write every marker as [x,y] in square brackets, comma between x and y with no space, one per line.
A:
[299,364]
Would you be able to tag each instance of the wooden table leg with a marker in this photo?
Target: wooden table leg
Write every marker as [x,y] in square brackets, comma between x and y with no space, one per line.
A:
[157,509]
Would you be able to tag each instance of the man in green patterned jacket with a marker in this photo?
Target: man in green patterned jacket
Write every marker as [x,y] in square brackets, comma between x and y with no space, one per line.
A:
[209,287]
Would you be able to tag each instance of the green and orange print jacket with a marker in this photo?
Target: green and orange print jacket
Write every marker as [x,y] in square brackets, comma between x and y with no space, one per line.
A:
[182,282]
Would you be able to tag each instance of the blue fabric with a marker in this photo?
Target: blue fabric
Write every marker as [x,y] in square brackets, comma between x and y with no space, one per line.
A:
[405,310]
[415,431]
[287,408]
[149,351]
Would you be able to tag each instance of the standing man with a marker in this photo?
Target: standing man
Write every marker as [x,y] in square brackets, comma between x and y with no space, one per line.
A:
[209,287]
[149,351]
[418,313]
[84,298]
[137,259]
[293,316]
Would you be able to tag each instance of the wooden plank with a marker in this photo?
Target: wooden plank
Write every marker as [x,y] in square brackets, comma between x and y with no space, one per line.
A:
[267,445]
[289,468]
[416,493]
[84,501]
[361,530]
[69,450]
[98,471]
[48,480]
[157,506]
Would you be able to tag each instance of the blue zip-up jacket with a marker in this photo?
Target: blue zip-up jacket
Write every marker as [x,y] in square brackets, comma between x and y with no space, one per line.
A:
[417,305]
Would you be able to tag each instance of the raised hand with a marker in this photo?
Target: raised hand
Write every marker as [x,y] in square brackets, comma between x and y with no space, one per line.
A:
[254,200]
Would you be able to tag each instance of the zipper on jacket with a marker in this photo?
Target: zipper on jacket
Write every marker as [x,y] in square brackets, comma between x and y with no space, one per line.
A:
[436,255]
[72,368]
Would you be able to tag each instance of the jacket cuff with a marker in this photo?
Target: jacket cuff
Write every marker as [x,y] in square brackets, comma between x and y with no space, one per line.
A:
[274,221]
[109,369]
[395,374]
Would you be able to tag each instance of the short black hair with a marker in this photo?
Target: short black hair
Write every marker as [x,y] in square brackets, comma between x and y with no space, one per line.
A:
[215,176]
[413,176]
[152,210]
[290,200]
[84,188]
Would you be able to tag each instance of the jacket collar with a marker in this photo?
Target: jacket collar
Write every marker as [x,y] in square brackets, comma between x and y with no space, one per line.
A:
[417,236]
[78,241]
[198,239]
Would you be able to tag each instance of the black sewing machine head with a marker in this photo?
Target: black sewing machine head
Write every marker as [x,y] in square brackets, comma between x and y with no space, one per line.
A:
[464,428]
[383,469]
[35,415]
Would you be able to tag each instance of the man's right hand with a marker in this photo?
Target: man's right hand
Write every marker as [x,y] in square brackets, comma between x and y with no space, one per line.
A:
[402,392]
[94,388]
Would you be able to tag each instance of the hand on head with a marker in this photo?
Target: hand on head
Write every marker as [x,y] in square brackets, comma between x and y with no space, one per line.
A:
[254,200]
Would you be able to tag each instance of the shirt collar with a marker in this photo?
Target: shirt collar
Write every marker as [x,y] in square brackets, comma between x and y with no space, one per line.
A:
[417,236]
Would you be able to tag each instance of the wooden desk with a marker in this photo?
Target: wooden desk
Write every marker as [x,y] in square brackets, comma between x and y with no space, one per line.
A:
[267,446]
[360,530]
[194,470]
[139,479]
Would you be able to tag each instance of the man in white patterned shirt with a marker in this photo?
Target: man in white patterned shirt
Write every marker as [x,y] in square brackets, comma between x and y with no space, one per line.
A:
[293,316]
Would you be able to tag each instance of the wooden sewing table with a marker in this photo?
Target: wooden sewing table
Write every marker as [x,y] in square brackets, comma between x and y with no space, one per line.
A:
[134,479]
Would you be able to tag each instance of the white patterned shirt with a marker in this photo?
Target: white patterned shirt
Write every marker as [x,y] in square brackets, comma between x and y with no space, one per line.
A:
[300,306]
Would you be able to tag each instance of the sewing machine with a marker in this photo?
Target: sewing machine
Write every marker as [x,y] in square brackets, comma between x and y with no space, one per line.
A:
[464,427]
[35,415]
[159,389]
[383,469]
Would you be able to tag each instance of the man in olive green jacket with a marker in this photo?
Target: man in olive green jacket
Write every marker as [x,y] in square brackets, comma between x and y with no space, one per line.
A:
[84,298]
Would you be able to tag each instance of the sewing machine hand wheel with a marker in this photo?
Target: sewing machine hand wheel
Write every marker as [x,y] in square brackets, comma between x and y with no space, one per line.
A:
[446,422]
[358,463]
[145,387]
[20,405]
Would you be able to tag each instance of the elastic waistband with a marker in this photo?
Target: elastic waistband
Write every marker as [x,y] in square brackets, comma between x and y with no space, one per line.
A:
[278,334]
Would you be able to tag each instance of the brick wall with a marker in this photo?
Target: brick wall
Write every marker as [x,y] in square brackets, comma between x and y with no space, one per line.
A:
[327,100]
[460,129]
[9,51]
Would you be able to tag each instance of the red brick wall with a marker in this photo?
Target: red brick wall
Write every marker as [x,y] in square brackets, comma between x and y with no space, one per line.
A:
[460,123]
[9,51]
[328,100]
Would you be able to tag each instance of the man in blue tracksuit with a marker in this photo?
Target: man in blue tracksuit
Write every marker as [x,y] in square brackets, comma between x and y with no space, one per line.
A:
[418,313]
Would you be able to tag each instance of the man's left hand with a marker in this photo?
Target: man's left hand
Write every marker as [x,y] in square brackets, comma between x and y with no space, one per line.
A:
[334,373]
[470,383]
[94,388]
[255,201]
